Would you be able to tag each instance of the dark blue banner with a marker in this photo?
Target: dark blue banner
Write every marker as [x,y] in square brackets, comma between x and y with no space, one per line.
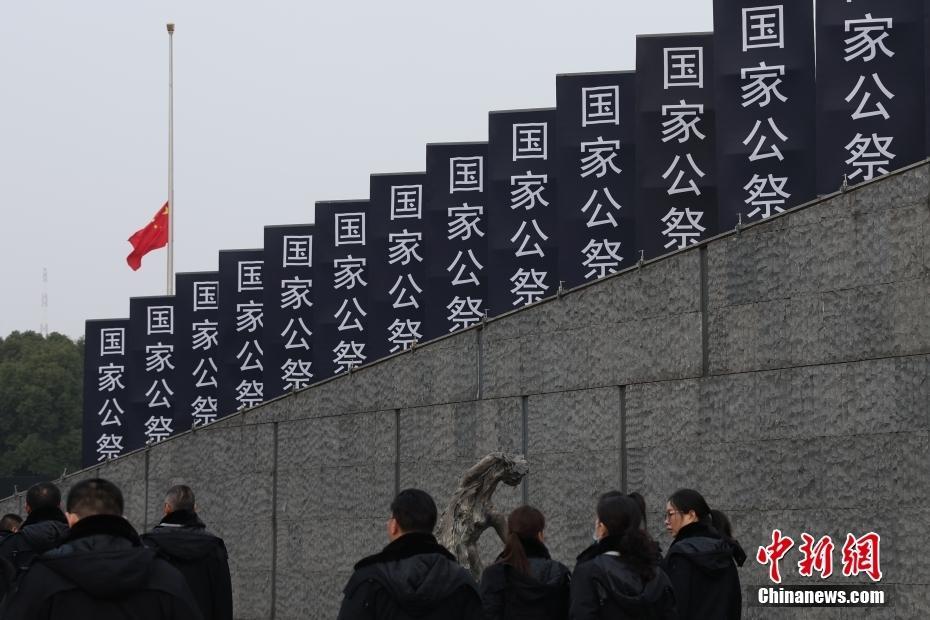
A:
[342,282]
[597,175]
[456,236]
[871,99]
[106,385]
[242,290]
[676,141]
[522,208]
[152,371]
[288,309]
[197,316]
[766,151]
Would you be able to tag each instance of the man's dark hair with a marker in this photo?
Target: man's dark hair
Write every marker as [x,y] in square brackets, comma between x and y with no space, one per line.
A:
[415,511]
[180,497]
[9,521]
[95,497]
[43,495]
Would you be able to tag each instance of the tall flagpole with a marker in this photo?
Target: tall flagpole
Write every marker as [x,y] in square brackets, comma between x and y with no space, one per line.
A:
[170,159]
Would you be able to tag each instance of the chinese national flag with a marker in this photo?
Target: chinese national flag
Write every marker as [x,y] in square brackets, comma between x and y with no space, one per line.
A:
[152,237]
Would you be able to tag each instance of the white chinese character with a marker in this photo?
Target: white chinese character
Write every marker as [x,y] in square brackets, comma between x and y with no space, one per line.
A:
[522,250]
[691,185]
[600,105]
[463,222]
[763,26]
[761,138]
[249,316]
[109,447]
[110,377]
[250,275]
[160,320]
[158,357]
[404,333]
[204,410]
[599,155]
[869,38]
[459,264]
[464,313]
[157,429]
[684,66]
[348,272]
[402,292]
[601,258]
[879,109]
[350,229]
[349,355]
[683,119]
[112,341]
[466,174]
[680,232]
[206,370]
[156,399]
[530,141]
[295,293]
[869,154]
[296,374]
[206,296]
[111,412]
[347,321]
[205,335]
[249,393]
[406,202]
[245,356]
[403,246]
[298,251]
[761,83]
[765,194]
[529,189]
[296,339]
[528,286]
[595,202]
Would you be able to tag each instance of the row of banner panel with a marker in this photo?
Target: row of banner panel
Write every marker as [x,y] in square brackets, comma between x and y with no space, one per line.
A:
[710,131]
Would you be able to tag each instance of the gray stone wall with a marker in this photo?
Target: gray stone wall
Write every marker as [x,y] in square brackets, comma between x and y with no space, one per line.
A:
[783,370]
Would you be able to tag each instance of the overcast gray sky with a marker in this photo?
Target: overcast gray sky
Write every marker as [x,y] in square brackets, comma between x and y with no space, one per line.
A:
[277,105]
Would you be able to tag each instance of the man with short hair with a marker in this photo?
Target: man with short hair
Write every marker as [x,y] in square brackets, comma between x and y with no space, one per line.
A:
[9,525]
[183,539]
[45,527]
[414,576]
[101,571]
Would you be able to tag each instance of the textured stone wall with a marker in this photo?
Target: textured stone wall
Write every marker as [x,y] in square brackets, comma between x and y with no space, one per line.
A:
[783,370]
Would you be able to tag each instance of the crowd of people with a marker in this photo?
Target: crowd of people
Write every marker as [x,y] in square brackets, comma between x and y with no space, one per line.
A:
[87,561]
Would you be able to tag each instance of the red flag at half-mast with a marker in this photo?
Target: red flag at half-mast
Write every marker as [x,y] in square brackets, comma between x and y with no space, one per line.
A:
[152,237]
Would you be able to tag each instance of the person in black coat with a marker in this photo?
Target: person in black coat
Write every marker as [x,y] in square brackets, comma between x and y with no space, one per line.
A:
[700,562]
[618,577]
[183,539]
[525,583]
[101,571]
[414,576]
[45,527]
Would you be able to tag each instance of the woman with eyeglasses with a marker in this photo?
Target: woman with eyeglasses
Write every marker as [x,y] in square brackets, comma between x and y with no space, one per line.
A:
[700,561]
[618,577]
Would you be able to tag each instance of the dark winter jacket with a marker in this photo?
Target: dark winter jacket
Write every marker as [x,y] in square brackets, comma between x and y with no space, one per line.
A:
[183,539]
[543,594]
[606,585]
[701,565]
[43,529]
[103,572]
[413,577]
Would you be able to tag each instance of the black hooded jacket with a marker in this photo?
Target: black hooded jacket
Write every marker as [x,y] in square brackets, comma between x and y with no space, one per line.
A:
[103,572]
[543,594]
[703,571]
[413,577]
[606,585]
[43,529]
[183,539]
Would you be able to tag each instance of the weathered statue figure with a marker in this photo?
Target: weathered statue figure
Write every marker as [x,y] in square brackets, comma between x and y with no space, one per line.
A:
[470,511]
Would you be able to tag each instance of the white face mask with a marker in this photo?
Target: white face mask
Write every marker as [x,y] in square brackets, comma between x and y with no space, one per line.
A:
[594,536]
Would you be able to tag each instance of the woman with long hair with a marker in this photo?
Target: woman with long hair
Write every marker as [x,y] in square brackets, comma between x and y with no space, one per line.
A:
[618,577]
[525,582]
[700,562]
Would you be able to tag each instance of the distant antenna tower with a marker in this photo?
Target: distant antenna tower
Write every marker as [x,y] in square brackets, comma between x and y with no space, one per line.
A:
[44,327]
